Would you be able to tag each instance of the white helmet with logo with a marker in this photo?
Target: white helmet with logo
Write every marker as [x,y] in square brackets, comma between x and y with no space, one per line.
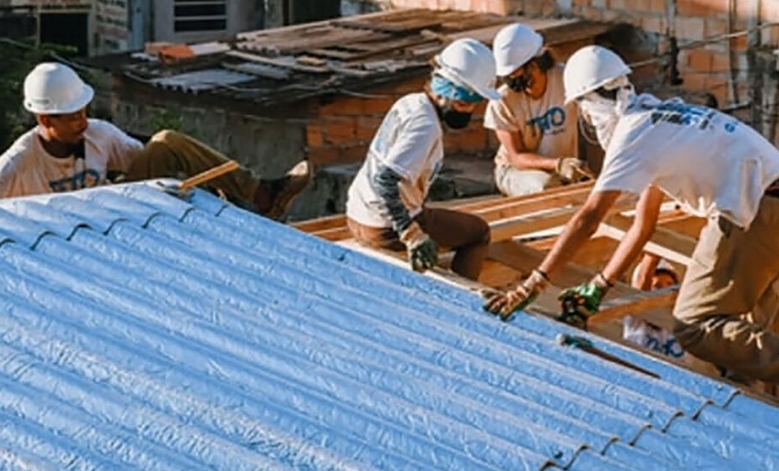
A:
[514,46]
[54,88]
[590,68]
[467,62]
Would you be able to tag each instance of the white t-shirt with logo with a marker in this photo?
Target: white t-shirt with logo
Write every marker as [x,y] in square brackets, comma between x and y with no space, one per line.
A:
[27,169]
[708,161]
[409,141]
[546,126]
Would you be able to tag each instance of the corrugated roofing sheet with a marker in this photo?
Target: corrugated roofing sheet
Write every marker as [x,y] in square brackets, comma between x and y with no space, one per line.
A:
[345,55]
[142,332]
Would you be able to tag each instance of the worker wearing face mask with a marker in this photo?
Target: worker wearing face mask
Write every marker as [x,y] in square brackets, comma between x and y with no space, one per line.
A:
[385,206]
[536,129]
[711,164]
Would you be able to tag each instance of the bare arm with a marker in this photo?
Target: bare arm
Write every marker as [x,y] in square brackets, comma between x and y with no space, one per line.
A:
[640,231]
[518,156]
[646,269]
[578,230]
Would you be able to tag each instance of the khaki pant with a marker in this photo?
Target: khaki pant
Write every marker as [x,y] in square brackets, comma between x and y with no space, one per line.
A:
[514,182]
[170,154]
[468,235]
[726,303]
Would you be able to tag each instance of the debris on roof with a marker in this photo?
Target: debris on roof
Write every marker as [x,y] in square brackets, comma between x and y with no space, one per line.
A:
[140,331]
[296,62]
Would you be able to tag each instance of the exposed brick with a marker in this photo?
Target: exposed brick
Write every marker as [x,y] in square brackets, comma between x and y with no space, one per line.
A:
[324,155]
[715,27]
[377,106]
[657,6]
[769,11]
[655,24]
[314,137]
[699,59]
[354,153]
[600,4]
[617,4]
[689,28]
[463,4]
[339,131]
[701,8]
[638,6]
[344,106]
[720,62]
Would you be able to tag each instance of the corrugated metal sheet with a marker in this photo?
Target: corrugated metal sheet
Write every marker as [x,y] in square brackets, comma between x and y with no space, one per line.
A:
[142,332]
[344,55]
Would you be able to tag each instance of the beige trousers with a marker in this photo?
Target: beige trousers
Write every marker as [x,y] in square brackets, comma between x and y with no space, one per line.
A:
[727,303]
[170,154]
[514,182]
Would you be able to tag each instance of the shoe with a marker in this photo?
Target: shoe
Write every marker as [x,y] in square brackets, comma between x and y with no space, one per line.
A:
[283,191]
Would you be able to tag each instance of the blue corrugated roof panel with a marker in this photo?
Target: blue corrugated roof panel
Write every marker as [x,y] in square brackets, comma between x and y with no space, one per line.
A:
[144,332]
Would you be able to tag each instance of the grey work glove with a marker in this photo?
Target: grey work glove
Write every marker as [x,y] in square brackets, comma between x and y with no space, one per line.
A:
[422,250]
[570,170]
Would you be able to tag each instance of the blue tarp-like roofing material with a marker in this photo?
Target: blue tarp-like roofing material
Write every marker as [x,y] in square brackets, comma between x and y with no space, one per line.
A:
[142,332]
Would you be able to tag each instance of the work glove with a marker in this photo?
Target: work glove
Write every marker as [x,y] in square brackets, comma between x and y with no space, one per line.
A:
[422,250]
[582,302]
[505,304]
[570,169]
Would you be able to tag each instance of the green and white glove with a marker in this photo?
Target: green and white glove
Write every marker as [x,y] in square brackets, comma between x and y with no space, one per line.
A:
[582,302]
[421,249]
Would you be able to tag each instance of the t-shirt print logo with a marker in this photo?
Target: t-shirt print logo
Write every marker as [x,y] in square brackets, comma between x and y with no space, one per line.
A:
[551,122]
[87,179]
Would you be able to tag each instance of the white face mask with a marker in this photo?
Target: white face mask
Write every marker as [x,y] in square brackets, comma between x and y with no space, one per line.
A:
[603,114]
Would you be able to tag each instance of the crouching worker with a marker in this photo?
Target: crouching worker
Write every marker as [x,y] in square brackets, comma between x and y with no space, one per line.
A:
[385,206]
[537,130]
[712,164]
[67,151]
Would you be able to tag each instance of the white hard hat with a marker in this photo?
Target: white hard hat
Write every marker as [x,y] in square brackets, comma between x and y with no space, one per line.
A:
[513,46]
[590,68]
[468,62]
[54,88]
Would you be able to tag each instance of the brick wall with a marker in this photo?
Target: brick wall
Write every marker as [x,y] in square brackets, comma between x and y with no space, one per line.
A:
[341,131]
[720,68]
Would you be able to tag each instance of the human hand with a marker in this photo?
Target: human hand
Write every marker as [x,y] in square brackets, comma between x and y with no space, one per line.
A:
[582,302]
[421,249]
[505,304]
[570,169]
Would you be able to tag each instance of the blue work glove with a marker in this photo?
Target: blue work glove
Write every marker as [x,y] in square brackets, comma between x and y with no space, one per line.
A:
[582,302]
[505,304]
[422,250]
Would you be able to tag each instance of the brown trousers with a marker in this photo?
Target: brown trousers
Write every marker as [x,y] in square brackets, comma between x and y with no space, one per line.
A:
[727,303]
[170,154]
[468,235]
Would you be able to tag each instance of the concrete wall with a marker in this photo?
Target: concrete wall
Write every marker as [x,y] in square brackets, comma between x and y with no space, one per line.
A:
[267,145]
[242,15]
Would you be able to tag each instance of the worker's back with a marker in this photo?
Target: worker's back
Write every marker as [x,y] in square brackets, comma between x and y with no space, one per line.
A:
[707,160]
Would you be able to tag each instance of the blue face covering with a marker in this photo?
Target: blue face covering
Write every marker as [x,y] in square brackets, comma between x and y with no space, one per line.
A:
[445,88]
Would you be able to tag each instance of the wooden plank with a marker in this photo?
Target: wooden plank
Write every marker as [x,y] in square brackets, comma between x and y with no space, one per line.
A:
[664,242]
[639,304]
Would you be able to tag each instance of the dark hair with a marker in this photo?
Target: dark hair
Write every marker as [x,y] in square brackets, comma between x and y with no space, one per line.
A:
[545,61]
[666,271]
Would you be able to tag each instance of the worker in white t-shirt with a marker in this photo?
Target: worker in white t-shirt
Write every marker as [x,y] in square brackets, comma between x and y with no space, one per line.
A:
[67,151]
[650,274]
[537,130]
[385,205]
[716,167]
